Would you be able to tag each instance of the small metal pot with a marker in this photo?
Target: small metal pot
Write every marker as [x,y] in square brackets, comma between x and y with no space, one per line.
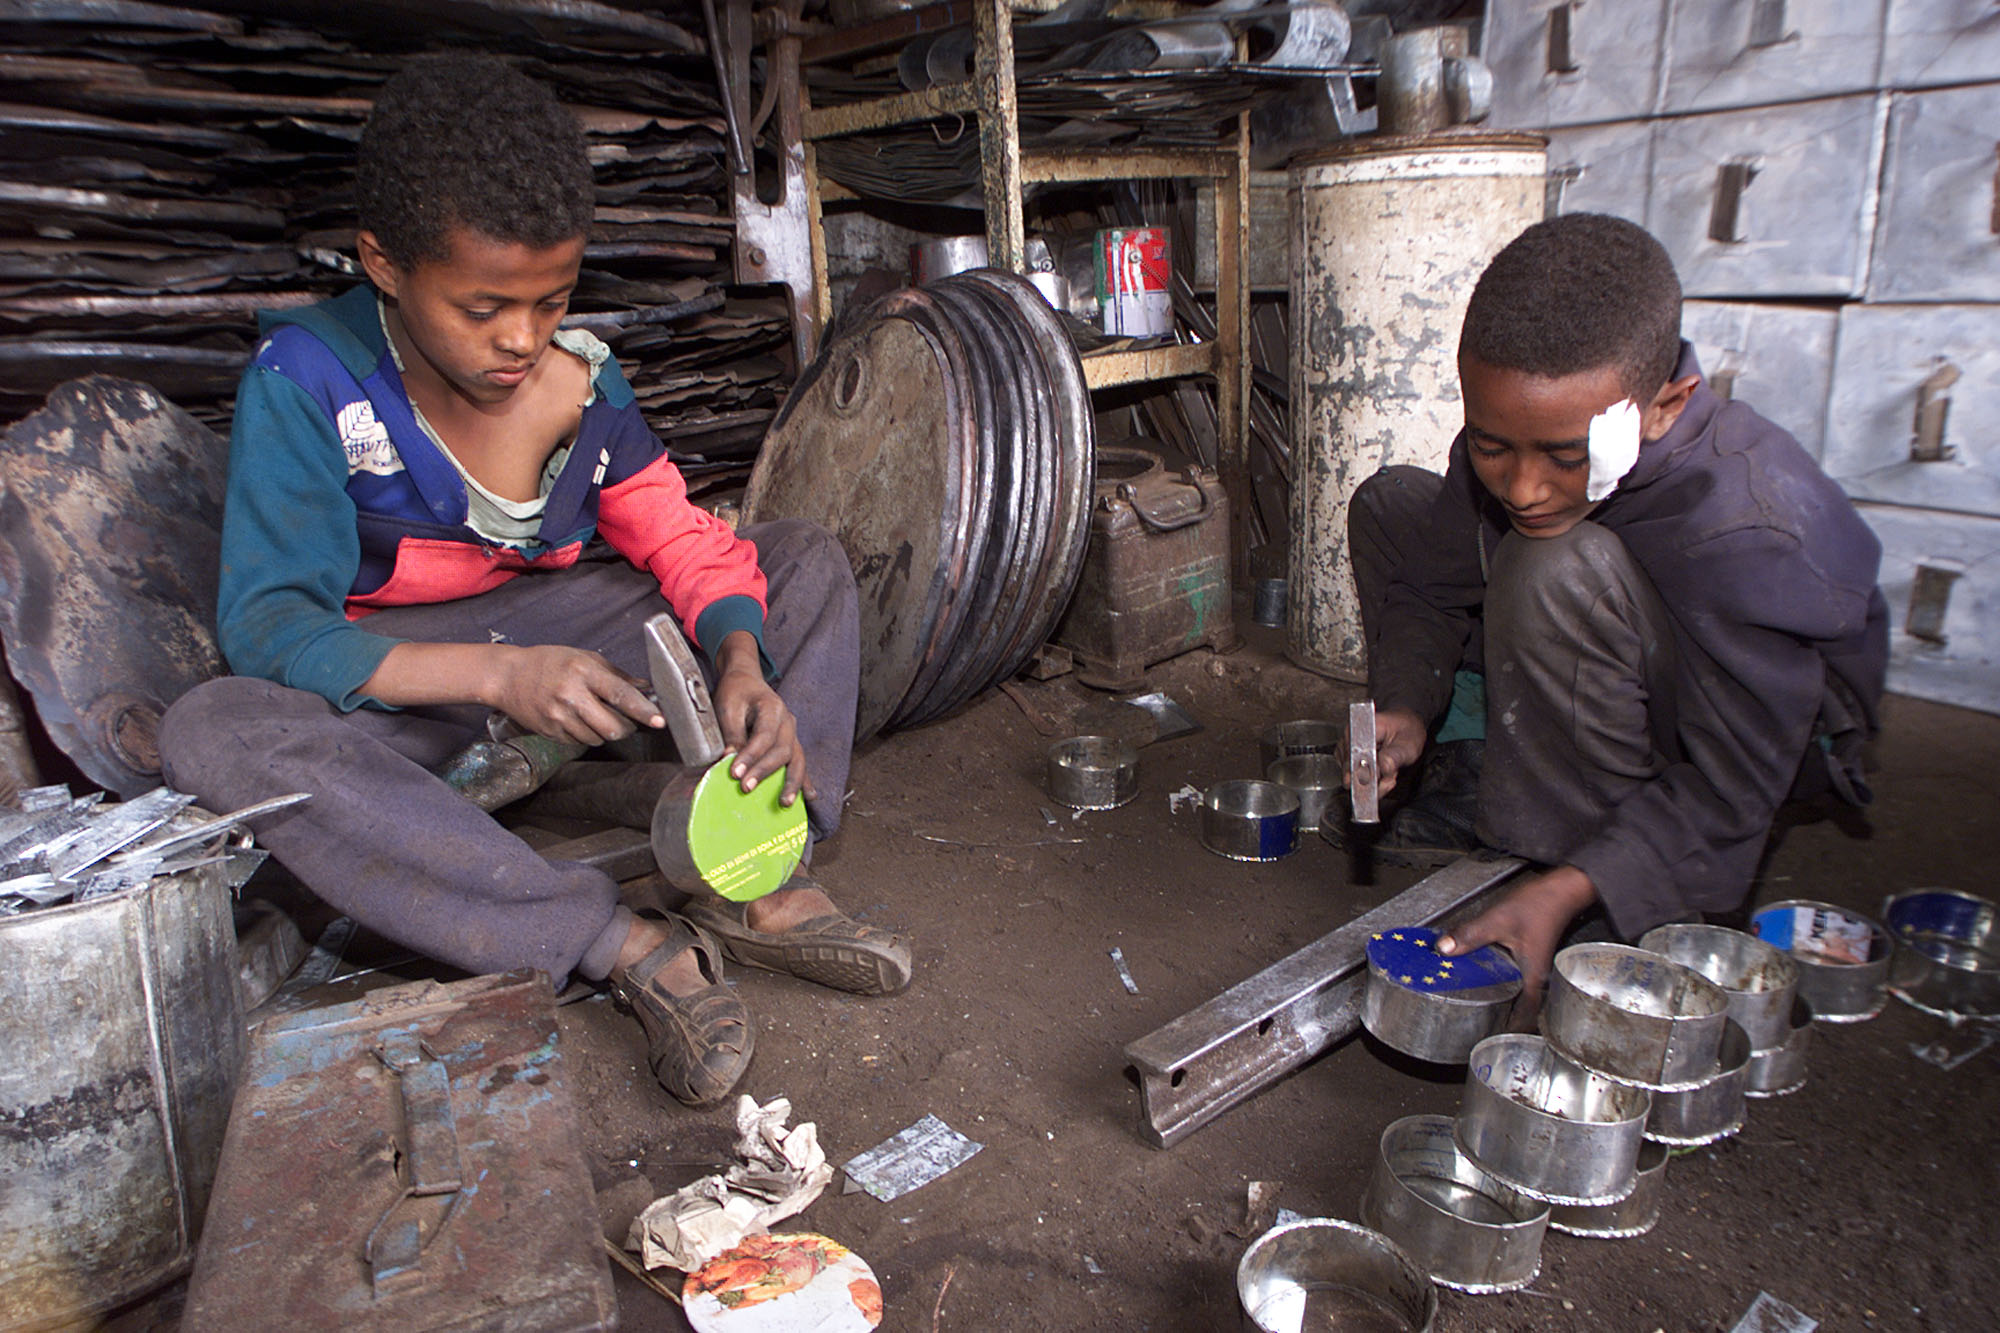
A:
[1433,1024]
[1093,772]
[1711,1110]
[1473,1232]
[1548,1127]
[1947,959]
[1308,735]
[1246,820]
[1322,1272]
[1843,957]
[1633,1215]
[1758,979]
[1634,1017]
[1775,1073]
[1268,603]
[1315,778]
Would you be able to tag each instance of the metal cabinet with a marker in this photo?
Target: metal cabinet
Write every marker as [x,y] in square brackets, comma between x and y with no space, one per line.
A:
[1776,358]
[1941,577]
[1930,43]
[1601,169]
[1737,53]
[1916,390]
[1573,62]
[1938,234]
[1773,201]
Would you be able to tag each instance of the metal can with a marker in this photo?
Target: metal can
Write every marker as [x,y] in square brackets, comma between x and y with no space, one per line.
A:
[1134,265]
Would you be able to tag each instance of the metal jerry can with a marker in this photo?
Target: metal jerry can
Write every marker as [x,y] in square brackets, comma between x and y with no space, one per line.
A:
[1155,578]
[407,1161]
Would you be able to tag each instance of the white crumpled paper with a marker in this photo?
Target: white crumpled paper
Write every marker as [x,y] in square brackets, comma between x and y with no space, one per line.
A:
[1614,448]
[781,1172]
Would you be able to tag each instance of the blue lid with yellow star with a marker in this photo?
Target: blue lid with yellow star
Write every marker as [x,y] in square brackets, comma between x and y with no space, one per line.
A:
[1408,956]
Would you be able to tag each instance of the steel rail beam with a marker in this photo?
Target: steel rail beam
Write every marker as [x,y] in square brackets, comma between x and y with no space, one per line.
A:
[1224,1052]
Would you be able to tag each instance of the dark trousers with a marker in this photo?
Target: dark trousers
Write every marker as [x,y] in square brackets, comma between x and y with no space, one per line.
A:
[1578,656]
[389,844]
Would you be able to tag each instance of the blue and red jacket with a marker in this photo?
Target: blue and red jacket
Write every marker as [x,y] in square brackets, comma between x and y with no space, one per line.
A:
[339,504]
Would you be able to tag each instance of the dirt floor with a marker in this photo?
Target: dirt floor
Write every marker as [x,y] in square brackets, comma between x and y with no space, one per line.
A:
[1861,1199]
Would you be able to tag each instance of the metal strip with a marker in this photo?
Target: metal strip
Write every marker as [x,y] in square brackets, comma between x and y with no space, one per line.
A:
[1261,1029]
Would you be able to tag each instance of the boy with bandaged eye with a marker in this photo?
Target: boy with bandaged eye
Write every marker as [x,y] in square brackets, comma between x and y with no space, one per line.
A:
[1669,610]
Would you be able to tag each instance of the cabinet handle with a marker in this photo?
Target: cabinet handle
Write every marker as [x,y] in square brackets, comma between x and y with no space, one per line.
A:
[1930,595]
[1927,443]
[1562,58]
[1767,23]
[1993,223]
[1725,214]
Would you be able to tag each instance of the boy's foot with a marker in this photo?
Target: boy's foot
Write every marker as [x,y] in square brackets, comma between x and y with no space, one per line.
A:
[798,930]
[699,1041]
[1434,827]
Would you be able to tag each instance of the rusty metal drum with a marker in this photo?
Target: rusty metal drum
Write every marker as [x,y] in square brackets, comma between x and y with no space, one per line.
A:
[1389,236]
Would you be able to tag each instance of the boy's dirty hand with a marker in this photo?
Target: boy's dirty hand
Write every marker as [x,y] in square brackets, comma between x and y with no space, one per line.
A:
[756,724]
[1527,921]
[1400,736]
[571,694]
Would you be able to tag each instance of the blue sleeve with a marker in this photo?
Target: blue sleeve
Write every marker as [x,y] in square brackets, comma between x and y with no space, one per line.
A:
[290,549]
[723,617]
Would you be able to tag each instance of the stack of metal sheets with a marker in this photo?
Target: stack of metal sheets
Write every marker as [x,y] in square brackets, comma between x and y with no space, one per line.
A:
[56,849]
[167,172]
[947,440]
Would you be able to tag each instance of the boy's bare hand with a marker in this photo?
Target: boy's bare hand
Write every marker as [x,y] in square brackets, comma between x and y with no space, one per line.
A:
[570,694]
[1400,736]
[1527,921]
[756,724]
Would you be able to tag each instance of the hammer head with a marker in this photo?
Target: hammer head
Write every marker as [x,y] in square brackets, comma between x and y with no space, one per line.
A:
[681,693]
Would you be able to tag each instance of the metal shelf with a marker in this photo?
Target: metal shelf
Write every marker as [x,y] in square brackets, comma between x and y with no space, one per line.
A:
[1005,169]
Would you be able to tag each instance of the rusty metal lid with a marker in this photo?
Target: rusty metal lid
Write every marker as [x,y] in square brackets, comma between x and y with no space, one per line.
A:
[948,442]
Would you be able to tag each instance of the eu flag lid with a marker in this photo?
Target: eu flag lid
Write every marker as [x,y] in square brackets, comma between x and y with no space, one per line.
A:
[1408,957]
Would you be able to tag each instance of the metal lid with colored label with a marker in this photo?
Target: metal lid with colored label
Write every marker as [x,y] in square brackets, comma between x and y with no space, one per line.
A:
[743,844]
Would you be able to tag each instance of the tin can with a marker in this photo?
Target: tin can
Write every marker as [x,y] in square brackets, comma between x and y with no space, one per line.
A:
[1134,265]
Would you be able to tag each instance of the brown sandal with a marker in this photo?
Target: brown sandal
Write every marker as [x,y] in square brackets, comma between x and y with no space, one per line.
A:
[832,950]
[698,1046]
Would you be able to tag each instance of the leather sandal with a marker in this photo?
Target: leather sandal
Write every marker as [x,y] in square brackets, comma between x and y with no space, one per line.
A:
[831,950]
[698,1046]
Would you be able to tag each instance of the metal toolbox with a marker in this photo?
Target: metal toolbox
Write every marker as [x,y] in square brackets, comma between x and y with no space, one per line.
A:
[1155,579]
[1916,389]
[1737,53]
[1572,62]
[1601,169]
[1941,576]
[1776,358]
[1774,201]
[407,1161]
[1938,234]
[1930,43]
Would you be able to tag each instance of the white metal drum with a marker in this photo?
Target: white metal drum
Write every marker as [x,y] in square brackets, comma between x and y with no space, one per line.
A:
[1935,239]
[1776,358]
[1941,576]
[1928,43]
[1735,53]
[1916,389]
[1375,322]
[1572,62]
[1771,202]
[1601,169]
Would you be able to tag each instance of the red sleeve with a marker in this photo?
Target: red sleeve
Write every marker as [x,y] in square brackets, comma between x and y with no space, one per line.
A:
[649,520]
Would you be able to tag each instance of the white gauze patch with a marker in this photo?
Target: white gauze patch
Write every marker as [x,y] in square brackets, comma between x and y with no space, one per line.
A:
[1614,448]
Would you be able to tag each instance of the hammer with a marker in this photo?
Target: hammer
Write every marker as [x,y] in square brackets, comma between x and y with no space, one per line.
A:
[515,763]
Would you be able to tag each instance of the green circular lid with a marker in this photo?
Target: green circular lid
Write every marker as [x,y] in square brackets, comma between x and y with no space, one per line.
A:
[744,844]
